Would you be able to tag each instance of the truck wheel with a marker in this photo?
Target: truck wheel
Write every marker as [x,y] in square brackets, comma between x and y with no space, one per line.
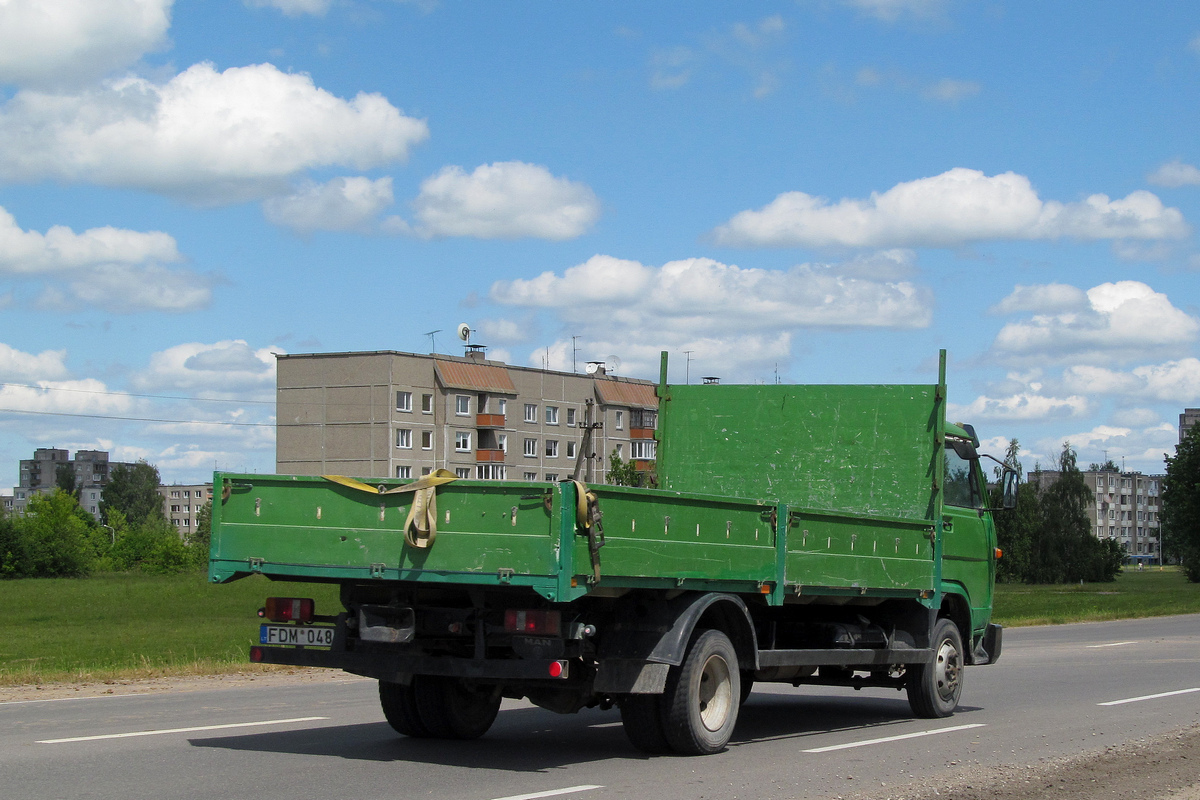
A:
[450,709]
[641,715]
[400,708]
[747,686]
[700,703]
[934,688]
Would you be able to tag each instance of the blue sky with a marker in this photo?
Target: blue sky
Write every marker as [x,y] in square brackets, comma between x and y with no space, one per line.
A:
[823,191]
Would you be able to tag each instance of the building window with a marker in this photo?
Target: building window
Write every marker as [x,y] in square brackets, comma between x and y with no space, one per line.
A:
[187,523]
[462,442]
[530,412]
[426,470]
[501,406]
[404,472]
[174,509]
[462,472]
[462,405]
[642,449]
[551,415]
[620,450]
[426,440]
[570,449]
[552,477]
[404,438]
[551,448]
[175,495]
[502,442]
[404,401]
[531,476]
[531,448]
[426,404]
[490,472]
[570,416]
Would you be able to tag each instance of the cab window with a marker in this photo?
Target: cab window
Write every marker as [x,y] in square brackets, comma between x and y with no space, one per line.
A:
[962,486]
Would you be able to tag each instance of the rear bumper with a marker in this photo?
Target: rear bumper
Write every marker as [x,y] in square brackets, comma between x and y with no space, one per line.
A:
[397,667]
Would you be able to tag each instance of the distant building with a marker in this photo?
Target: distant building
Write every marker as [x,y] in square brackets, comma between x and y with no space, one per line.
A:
[182,504]
[1187,419]
[1124,507]
[403,415]
[39,475]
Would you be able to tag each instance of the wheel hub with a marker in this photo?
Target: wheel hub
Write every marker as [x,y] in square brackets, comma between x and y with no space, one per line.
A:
[947,670]
[715,693]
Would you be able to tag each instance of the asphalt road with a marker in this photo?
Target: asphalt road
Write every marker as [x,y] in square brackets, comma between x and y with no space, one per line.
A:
[1056,691]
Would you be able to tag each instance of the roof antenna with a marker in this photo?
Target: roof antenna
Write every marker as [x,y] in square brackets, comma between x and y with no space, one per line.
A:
[432,342]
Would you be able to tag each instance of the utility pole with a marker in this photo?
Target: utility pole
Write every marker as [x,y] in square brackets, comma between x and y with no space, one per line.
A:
[687,367]
[574,351]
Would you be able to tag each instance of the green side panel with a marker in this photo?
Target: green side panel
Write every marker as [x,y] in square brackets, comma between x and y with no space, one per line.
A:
[667,535]
[858,449]
[865,552]
[308,526]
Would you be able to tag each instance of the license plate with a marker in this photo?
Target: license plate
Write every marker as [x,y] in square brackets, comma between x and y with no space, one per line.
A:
[296,635]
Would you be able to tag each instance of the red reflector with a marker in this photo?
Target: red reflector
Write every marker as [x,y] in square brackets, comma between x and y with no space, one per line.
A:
[558,669]
[542,623]
[289,609]
[256,654]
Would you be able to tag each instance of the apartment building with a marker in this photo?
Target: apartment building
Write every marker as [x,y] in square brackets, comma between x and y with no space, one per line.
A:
[1187,419]
[182,504]
[39,475]
[403,415]
[1125,507]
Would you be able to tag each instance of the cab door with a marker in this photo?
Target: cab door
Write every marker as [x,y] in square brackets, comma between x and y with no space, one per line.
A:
[968,535]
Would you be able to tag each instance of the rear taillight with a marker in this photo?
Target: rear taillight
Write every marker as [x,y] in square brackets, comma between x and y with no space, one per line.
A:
[289,609]
[541,623]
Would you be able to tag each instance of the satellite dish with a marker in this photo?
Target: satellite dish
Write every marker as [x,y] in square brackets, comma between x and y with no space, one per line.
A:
[591,367]
[612,364]
[464,332]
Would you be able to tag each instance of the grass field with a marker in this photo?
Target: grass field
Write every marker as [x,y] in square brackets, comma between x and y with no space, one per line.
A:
[1152,593]
[138,626]
[130,626]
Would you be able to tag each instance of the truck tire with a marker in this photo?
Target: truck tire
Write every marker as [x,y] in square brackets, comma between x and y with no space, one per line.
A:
[400,708]
[451,709]
[700,702]
[934,688]
[641,715]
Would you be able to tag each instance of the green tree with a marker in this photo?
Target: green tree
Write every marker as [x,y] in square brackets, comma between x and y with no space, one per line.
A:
[64,478]
[1107,466]
[201,538]
[1180,515]
[59,542]
[622,473]
[133,490]
[14,552]
[154,547]
[1016,528]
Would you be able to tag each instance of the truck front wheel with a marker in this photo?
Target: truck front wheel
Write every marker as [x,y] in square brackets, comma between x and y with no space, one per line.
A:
[934,688]
[700,703]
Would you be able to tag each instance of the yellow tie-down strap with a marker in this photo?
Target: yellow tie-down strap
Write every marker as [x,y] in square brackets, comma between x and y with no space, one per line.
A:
[420,528]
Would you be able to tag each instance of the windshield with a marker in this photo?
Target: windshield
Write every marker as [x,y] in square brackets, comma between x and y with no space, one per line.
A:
[962,487]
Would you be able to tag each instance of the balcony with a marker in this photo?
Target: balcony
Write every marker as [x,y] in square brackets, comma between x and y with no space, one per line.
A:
[484,456]
[641,433]
[489,421]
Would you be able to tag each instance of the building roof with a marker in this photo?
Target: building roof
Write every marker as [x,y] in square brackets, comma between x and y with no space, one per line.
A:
[625,393]
[475,377]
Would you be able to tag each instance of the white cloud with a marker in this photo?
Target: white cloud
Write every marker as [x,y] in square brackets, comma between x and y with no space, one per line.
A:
[204,136]
[1045,298]
[88,396]
[26,367]
[61,249]
[738,319]
[1023,407]
[294,8]
[505,330]
[948,210]
[1175,173]
[1121,322]
[211,370]
[950,90]
[505,200]
[69,42]
[1135,447]
[891,10]
[123,289]
[341,204]
[745,47]
[1175,382]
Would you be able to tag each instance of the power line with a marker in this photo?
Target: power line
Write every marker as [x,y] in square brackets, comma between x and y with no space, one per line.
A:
[130,394]
[147,419]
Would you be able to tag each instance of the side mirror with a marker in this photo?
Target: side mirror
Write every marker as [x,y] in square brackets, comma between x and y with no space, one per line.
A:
[1009,485]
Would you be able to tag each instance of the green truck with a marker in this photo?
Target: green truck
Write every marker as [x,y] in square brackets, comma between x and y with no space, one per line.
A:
[819,534]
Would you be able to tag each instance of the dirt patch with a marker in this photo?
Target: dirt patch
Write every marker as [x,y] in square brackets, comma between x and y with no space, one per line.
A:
[191,683]
[1165,767]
